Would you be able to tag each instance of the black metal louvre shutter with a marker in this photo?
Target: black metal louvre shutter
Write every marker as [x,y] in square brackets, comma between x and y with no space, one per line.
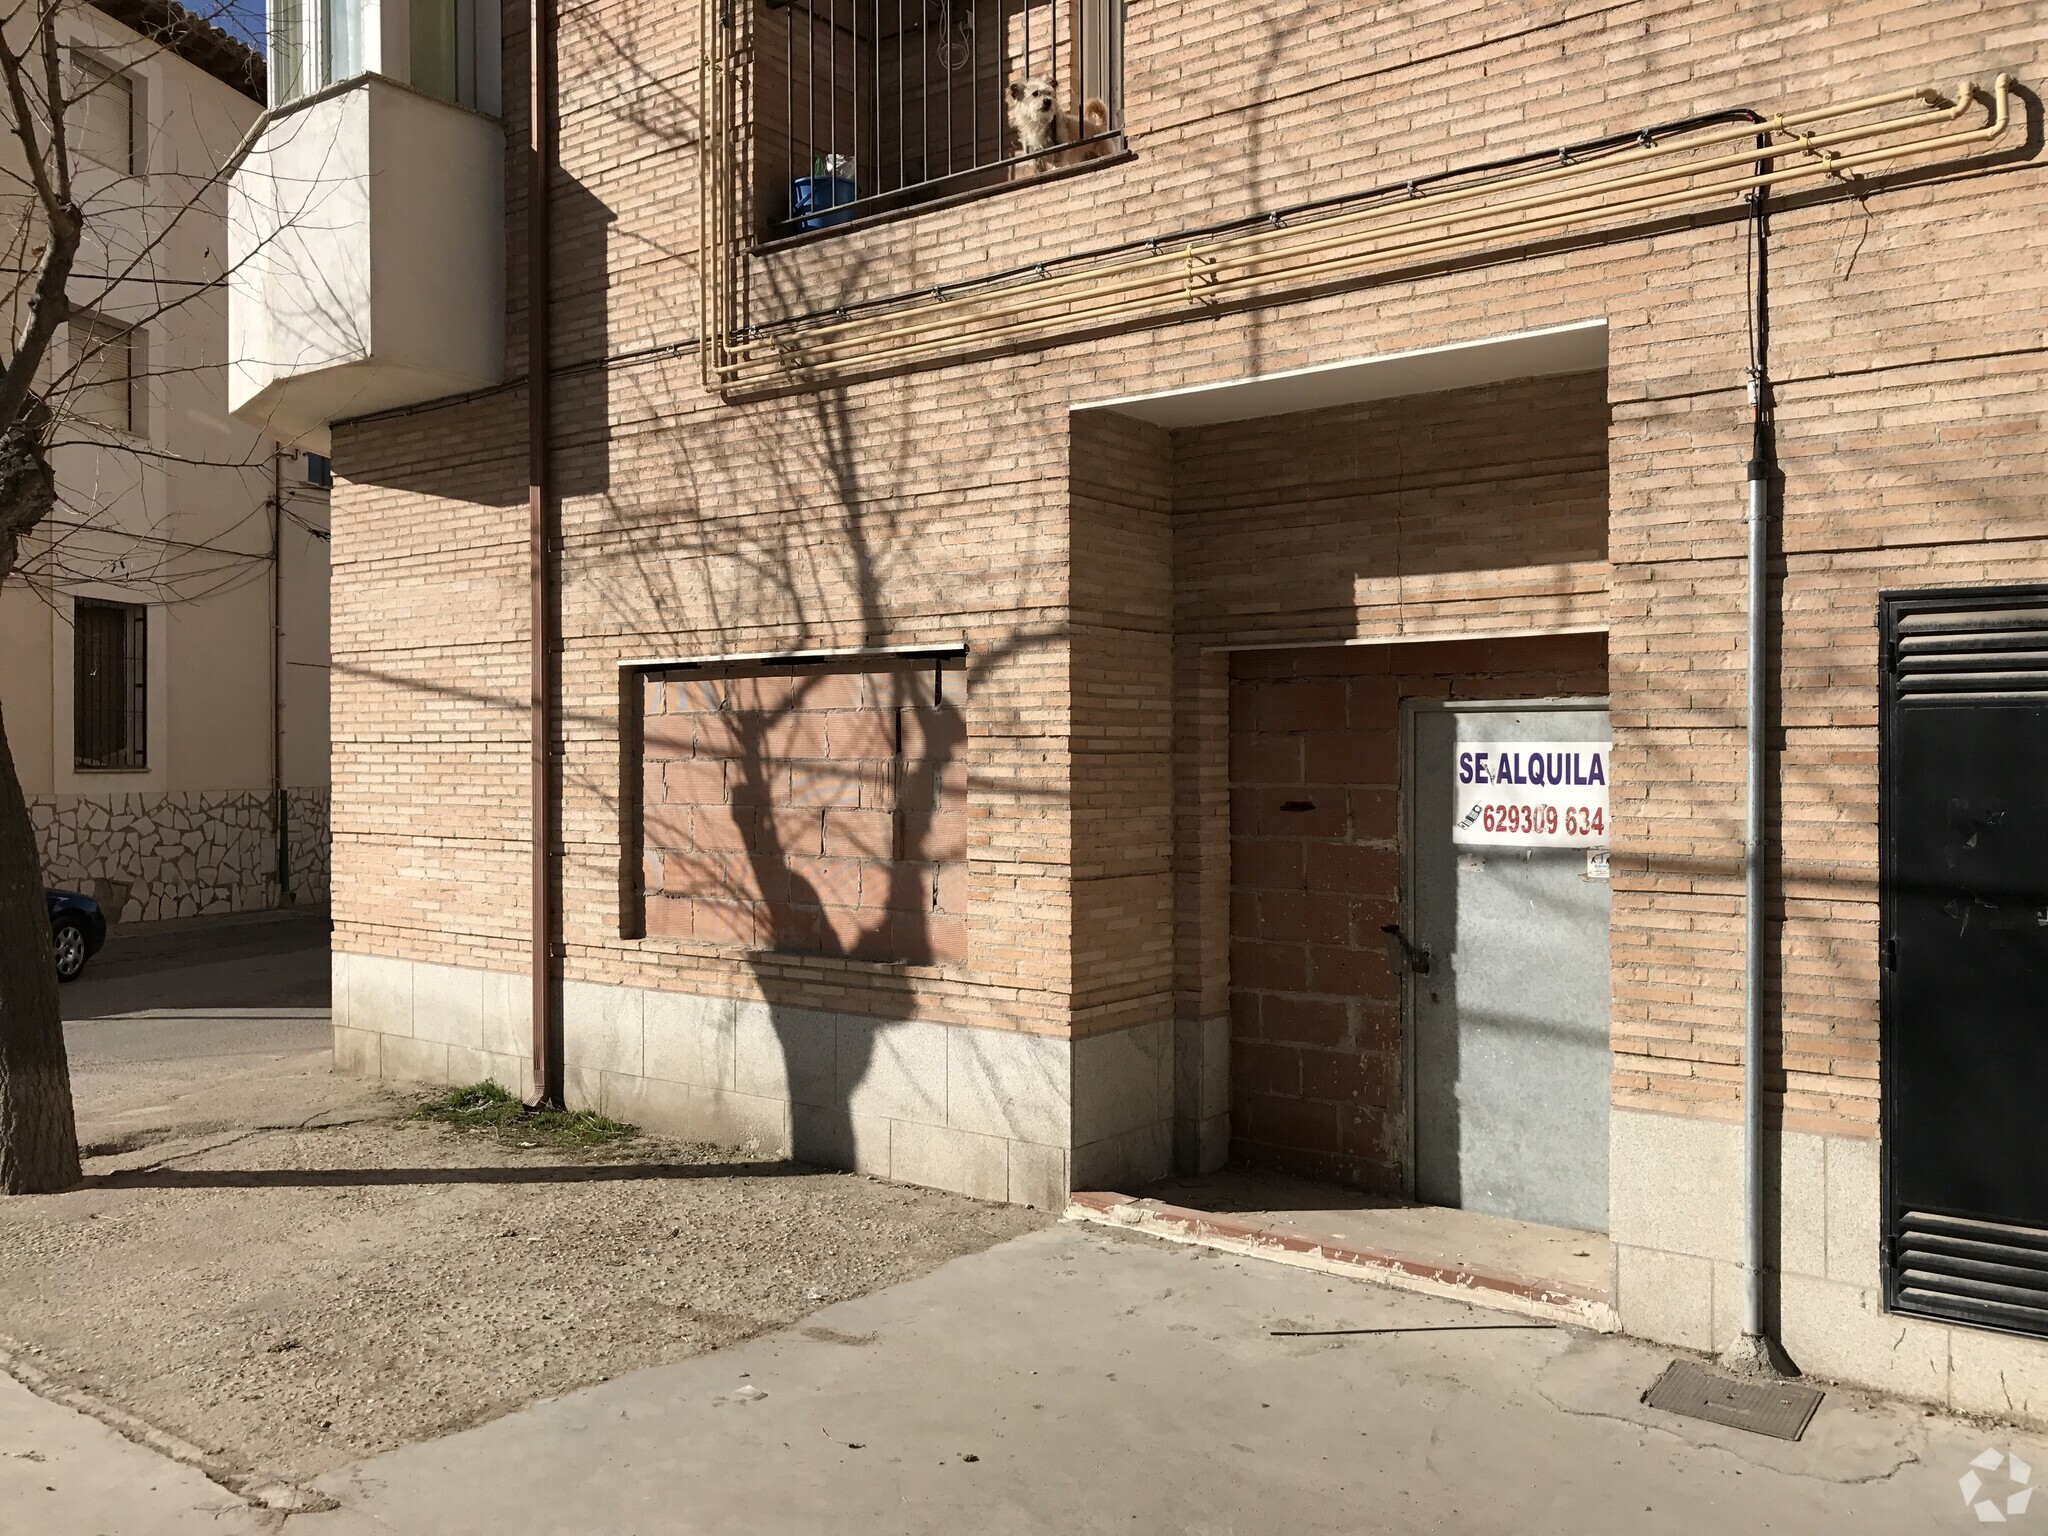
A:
[1964,985]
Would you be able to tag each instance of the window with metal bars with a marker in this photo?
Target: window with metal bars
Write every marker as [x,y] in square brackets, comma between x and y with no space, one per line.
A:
[109,685]
[866,107]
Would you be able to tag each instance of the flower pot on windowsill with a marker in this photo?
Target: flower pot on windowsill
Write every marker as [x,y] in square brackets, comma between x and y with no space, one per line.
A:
[811,198]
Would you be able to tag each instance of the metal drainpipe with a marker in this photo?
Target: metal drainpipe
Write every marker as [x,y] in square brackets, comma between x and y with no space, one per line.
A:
[278,811]
[1753,1351]
[547,1037]
[1753,913]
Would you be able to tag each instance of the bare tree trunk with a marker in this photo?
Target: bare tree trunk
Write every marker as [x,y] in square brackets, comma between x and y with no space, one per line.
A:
[38,1132]
[38,1135]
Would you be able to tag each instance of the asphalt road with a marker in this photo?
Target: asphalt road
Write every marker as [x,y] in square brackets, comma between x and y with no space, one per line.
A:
[199,989]
[170,1016]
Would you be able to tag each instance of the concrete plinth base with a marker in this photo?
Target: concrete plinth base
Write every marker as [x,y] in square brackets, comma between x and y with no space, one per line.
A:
[992,1113]
[1677,1226]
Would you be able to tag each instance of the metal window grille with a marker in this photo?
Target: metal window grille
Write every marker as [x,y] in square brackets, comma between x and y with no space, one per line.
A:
[867,106]
[109,685]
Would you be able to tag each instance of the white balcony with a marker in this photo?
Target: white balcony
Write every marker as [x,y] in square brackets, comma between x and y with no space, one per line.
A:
[367,248]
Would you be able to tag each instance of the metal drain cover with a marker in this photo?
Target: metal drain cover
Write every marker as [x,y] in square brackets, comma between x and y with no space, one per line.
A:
[1780,1409]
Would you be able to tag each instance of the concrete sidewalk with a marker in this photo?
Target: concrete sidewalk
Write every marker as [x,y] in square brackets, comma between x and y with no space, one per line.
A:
[1082,1380]
[64,1474]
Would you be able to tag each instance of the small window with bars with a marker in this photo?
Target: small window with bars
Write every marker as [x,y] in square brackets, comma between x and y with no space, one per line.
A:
[867,107]
[100,124]
[109,685]
[103,373]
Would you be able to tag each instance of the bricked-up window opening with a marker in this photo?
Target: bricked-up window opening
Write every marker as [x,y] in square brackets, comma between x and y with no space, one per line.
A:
[868,106]
[808,810]
[109,685]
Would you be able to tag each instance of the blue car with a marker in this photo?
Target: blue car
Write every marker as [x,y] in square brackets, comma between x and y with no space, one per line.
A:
[77,930]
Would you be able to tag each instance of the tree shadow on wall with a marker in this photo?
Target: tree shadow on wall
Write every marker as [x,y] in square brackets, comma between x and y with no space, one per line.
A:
[820,816]
[828,845]
[811,523]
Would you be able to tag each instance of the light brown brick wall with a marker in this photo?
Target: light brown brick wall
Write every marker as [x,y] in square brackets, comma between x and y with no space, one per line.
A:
[1441,509]
[1120,644]
[1235,109]
[940,506]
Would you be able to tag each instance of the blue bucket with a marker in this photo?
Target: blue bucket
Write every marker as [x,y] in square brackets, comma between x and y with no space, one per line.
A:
[810,196]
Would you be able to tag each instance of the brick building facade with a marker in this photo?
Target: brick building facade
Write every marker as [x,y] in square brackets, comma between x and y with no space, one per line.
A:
[989,772]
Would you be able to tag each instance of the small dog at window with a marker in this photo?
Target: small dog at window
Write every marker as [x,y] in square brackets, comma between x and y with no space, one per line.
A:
[1042,124]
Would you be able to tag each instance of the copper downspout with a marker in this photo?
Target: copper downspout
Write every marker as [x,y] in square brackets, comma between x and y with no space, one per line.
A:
[547,1034]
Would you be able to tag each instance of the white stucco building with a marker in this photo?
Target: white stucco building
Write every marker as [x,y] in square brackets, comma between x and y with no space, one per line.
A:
[163,648]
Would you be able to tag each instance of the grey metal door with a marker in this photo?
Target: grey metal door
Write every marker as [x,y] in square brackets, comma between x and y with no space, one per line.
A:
[1506,926]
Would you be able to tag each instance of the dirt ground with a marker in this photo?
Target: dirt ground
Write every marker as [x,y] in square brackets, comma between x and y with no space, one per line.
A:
[281,1267]
[290,1300]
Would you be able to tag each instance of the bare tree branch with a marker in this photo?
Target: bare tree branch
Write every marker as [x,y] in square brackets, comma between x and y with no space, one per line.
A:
[50,305]
[53,94]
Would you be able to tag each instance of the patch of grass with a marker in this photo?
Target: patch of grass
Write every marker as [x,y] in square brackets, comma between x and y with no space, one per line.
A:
[487,1106]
